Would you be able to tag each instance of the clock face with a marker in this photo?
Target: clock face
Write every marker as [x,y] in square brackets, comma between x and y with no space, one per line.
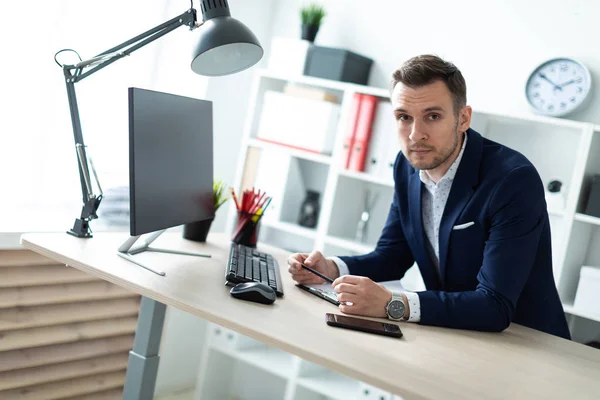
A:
[558,87]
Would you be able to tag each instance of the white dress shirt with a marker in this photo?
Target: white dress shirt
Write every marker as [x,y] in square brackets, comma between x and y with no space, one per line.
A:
[433,202]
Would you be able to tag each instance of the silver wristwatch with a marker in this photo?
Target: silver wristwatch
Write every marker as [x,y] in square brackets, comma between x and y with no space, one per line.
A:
[396,308]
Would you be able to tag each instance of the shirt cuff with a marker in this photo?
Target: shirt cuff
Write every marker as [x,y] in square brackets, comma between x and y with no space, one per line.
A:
[342,267]
[414,304]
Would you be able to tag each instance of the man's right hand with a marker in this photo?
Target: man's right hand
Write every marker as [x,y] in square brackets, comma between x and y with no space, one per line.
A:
[316,261]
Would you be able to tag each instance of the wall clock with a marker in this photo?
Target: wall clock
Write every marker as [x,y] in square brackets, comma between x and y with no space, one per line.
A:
[558,86]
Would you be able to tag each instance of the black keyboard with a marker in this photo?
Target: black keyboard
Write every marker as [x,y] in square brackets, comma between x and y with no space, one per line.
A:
[246,264]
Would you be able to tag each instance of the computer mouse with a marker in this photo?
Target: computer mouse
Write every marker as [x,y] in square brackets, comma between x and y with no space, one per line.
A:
[254,291]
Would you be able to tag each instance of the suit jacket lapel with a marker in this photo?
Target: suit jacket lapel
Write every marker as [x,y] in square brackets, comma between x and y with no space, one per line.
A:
[466,179]
[428,270]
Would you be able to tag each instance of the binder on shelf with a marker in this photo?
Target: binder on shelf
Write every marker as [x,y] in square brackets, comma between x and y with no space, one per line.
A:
[350,129]
[384,127]
[362,134]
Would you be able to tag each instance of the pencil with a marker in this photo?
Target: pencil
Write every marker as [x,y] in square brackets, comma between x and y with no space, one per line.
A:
[328,279]
[237,204]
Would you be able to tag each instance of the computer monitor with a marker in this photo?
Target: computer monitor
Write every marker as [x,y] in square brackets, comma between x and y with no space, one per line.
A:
[170,164]
[170,160]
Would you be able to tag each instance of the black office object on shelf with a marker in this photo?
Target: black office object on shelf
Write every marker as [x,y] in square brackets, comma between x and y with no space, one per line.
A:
[593,201]
[309,210]
[225,46]
[337,64]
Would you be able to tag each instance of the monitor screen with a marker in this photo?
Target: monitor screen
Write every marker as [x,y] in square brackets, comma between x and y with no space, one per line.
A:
[170,160]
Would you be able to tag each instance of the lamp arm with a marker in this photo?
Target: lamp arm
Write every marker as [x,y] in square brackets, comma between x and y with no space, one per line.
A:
[73,74]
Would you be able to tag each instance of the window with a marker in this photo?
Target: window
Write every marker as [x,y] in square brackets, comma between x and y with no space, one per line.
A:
[38,163]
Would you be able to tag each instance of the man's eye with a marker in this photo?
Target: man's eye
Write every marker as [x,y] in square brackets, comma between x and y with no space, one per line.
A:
[403,117]
[434,116]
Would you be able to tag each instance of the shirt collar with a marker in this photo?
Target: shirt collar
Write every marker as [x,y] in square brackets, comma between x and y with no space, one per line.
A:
[449,175]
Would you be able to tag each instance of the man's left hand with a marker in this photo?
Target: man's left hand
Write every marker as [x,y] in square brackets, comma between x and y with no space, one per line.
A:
[367,298]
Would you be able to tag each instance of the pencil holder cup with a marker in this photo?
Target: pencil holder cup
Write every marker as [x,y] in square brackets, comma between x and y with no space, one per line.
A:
[246,229]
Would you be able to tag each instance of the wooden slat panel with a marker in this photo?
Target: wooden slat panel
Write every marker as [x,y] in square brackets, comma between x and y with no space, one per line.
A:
[113,394]
[37,356]
[42,275]
[71,387]
[23,258]
[56,314]
[58,372]
[65,293]
[25,338]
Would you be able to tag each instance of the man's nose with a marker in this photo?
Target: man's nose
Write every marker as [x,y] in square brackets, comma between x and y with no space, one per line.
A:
[417,132]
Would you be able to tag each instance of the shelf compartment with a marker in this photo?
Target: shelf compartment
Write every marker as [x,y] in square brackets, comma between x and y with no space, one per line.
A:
[325,83]
[352,194]
[230,376]
[274,361]
[570,309]
[331,384]
[293,152]
[535,139]
[289,241]
[295,229]
[367,178]
[587,218]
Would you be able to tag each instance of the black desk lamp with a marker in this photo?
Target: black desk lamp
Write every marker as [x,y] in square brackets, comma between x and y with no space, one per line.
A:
[225,46]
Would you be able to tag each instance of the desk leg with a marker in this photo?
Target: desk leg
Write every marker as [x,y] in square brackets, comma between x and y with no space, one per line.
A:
[142,367]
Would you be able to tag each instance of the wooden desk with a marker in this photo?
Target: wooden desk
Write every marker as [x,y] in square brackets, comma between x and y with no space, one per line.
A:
[428,363]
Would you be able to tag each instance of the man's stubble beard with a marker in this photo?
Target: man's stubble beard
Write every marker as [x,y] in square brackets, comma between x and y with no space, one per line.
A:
[442,157]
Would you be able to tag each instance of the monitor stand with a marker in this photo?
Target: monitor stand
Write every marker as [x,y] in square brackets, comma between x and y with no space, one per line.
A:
[126,251]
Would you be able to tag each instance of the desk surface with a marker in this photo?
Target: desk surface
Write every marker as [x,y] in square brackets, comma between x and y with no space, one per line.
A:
[427,363]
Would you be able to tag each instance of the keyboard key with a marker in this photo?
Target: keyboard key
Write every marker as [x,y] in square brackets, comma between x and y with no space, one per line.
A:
[248,270]
[264,276]
[255,270]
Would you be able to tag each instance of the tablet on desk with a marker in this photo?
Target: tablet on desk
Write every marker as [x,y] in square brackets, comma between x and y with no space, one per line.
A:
[324,291]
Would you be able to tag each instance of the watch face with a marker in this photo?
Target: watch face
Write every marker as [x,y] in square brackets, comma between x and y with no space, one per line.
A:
[558,87]
[396,309]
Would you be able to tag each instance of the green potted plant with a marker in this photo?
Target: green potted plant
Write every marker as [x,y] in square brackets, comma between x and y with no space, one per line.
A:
[312,16]
[198,231]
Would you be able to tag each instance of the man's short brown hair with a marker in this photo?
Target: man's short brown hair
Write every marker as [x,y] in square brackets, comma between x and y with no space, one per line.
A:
[425,69]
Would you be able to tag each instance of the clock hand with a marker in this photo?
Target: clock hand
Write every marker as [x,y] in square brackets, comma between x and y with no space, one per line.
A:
[567,83]
[544,77]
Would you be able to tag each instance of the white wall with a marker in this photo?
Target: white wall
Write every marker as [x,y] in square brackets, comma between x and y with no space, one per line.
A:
[35,129]
[495,43]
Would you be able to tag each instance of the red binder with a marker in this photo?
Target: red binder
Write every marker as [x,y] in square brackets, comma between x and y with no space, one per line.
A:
[351,128]
[362,134]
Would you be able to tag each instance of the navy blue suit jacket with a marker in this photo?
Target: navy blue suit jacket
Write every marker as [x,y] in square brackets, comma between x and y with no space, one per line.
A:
[495,272]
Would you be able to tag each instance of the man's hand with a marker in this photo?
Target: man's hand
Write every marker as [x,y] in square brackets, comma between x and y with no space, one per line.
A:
[367,298]
[316,261]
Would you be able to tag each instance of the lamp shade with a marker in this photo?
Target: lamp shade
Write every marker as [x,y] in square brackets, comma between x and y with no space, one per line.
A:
[226,46]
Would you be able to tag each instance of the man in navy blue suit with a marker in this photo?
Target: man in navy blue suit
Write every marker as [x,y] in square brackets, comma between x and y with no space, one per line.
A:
[470,212]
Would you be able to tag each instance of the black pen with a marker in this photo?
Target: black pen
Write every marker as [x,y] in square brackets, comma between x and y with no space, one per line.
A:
[328,279]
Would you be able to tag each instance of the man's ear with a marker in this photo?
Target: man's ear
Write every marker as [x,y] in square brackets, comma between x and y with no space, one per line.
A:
[464,118]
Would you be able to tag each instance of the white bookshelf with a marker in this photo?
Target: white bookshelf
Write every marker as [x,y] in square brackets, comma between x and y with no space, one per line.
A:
[236,367]
[559,148]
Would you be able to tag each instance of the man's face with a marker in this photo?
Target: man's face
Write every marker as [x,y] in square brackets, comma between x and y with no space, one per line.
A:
[427,125]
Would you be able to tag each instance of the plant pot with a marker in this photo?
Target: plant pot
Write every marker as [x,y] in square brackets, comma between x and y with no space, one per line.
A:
[197,231]
[309,32]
